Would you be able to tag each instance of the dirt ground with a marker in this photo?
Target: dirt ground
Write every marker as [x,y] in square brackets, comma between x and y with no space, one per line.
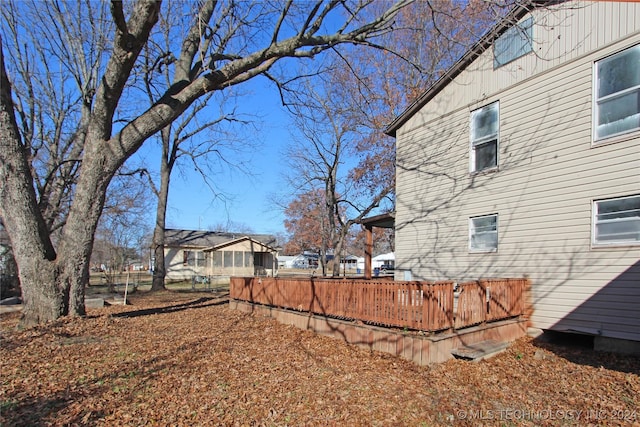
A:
[185,359]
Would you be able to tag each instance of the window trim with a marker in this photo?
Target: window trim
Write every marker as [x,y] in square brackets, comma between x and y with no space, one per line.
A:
[474,143]
[594,223]
[471,229]
[618,136]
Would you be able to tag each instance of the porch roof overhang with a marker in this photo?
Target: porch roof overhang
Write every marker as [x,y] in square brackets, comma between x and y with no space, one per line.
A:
[386,220]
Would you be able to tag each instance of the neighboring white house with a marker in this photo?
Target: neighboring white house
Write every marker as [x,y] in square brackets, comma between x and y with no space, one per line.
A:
[190,253]
[348,263]
[285,261]
[524,160]
[378,261]
[308,260]
[304,260]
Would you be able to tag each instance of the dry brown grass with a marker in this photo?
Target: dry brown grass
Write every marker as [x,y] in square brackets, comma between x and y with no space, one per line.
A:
[186,359]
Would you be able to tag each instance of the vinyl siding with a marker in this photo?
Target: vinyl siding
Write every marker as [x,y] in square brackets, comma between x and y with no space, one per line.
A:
[549,173]
[174,263]
[561,35]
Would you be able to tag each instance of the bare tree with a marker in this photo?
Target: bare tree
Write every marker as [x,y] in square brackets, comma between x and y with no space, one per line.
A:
[225,45]
[306,222]
[54,82]
[340,123]
[201,136]
[123,225]
[328,134]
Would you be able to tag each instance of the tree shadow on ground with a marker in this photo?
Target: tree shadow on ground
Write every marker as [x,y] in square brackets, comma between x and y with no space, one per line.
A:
[199,303]
[33,412]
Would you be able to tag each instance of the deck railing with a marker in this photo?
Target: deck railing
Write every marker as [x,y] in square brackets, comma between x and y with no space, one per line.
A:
[426,306]
[489,300]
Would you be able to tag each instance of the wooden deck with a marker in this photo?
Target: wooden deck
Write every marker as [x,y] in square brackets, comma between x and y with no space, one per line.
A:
[423,306]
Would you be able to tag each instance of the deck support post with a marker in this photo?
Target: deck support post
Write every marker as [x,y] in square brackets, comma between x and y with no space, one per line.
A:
[368,251]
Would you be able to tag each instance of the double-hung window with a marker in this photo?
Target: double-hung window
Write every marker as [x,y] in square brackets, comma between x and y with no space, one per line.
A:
[483,233]
[485,126]
[616,221]
[617,94]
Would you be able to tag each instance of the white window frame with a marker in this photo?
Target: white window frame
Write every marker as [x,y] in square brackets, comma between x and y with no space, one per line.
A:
[476,142]
[600,219]
[472,233]
[598,100]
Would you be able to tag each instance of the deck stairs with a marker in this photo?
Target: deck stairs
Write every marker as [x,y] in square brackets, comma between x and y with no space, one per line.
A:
[479,351]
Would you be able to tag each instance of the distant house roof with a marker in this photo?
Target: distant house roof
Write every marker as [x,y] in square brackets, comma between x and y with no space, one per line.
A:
[384,257]
[207,239]
[241,239]
[485,42]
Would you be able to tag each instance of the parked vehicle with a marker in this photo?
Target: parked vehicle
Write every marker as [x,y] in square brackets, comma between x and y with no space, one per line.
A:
[387,268]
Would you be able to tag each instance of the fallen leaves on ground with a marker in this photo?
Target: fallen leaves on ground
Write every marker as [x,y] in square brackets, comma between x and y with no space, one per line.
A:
[176,359]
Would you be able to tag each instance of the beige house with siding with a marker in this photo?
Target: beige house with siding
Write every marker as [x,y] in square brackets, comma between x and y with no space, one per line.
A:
[190,254]
[524,160]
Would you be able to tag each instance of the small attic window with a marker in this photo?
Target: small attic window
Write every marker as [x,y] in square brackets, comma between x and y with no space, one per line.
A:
[517,41]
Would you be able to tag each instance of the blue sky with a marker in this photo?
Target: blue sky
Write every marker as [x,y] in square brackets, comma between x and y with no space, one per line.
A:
[250,203]
[192,204]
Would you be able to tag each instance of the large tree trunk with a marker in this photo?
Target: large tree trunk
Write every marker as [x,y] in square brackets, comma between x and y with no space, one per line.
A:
[335,266]
[42,299]
[53,284]
[32,248]
[79,232]
[159,269]
[166,166]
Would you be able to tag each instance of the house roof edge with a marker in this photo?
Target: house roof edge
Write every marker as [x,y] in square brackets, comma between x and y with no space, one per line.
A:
[486,41]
